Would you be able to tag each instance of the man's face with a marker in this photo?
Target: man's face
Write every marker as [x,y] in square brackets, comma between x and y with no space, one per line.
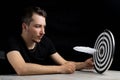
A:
[36,29]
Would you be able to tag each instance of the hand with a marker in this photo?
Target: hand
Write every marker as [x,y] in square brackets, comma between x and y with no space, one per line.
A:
[68,67]
[89,63]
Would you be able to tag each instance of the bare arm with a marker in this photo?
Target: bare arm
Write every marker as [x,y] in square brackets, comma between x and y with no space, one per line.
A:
[23,68]
[58,59]
[88,64]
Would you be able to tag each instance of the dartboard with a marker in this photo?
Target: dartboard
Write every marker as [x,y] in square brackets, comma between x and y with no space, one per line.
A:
[105,47]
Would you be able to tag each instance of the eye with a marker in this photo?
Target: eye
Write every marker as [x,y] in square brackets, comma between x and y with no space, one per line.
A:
[38,26]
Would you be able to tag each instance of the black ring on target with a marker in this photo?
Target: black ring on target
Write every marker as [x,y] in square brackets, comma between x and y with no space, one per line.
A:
[105,46]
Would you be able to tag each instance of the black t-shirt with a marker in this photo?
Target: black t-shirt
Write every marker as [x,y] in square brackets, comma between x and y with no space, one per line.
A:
[39,54]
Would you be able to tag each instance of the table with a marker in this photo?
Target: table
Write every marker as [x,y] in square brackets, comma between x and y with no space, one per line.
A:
[77,75]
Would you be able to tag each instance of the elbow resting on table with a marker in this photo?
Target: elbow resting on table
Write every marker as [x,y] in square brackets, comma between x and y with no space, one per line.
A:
[21,72]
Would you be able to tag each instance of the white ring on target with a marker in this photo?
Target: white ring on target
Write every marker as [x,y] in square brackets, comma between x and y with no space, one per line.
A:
[105,46]
[102,52]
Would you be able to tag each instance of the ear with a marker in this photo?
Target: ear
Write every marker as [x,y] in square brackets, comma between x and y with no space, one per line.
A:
[24,26]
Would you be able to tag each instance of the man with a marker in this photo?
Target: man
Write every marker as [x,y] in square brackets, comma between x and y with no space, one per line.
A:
[27,53]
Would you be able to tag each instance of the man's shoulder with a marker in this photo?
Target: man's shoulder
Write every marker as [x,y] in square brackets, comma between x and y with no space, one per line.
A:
[13,38]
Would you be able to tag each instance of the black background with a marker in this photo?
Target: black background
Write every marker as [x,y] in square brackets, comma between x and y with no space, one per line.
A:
[69,23]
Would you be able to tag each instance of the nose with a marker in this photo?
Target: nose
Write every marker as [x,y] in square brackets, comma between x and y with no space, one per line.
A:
[42,30]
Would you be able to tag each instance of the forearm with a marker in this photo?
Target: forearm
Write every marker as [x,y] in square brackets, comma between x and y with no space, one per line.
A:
[31,68]
[87,64]
[80,65]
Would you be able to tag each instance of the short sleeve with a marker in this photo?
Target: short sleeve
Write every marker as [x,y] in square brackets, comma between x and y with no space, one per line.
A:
[11,44]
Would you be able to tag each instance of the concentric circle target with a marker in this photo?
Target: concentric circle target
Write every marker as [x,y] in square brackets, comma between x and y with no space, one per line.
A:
[105,46]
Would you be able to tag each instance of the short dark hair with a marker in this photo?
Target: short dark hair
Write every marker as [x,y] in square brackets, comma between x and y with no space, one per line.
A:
[28,12]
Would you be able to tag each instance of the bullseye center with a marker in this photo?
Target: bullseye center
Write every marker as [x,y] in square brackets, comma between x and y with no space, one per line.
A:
[101,51]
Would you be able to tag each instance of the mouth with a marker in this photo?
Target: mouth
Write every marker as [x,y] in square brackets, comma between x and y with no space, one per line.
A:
[40,37]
